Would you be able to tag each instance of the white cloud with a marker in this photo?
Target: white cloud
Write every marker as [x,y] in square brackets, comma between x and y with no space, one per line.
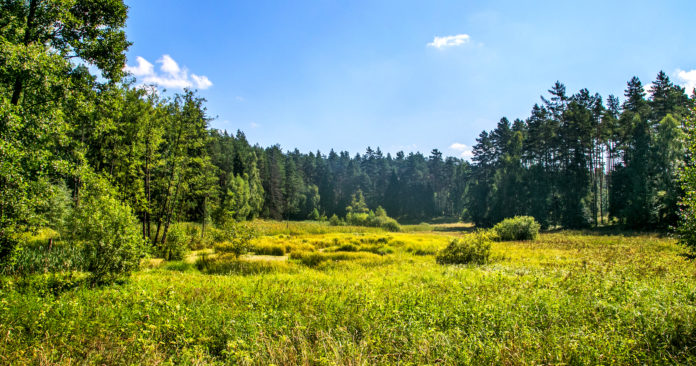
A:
[463,150]
[449,41]
[169,65]
[143,68]
[687,79]
[201,82]
[240,99]
[254,125]
[171,75]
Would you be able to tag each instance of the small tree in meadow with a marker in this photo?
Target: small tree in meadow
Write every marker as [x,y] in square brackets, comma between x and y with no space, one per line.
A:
[107,231]
[239,236]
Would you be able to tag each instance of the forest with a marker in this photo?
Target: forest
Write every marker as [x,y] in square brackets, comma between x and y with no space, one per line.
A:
[106,184]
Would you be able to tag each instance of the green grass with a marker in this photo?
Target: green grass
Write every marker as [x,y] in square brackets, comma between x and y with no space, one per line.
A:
[565,298]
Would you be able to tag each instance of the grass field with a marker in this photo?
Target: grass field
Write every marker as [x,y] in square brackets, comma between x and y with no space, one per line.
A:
[364,296]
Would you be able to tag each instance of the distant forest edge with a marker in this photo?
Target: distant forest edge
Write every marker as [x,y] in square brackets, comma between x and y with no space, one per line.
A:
[574,162]
[77,150]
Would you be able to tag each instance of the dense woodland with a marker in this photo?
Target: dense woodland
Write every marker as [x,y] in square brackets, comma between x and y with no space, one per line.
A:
[576,161]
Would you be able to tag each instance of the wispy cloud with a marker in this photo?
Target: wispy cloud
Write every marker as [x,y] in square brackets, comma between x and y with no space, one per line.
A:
[450,41]
[254,125]
[687,79]
[463,150]
[143,67]
[201,82]
[170,74]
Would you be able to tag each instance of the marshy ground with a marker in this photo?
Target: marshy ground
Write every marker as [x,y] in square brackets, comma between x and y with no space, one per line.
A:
[315,294]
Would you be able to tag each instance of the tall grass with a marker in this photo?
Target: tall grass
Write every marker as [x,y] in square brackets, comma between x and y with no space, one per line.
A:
[565,298]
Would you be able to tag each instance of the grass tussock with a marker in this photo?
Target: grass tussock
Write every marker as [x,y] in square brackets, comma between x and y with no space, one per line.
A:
[229,264]
[269,249]
[314,259]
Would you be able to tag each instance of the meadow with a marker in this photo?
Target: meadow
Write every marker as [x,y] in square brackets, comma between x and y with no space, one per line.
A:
[310,293]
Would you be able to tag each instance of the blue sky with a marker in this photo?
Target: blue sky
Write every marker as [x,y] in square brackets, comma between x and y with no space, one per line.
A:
[401,75]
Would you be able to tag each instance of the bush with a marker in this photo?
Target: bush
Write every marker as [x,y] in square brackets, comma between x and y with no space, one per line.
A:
[108,231]
[473,248]
[314,215]
[389,224]
[377,218]
[239,239]
[335,221]
[517,228]
[177,244]
[216,235]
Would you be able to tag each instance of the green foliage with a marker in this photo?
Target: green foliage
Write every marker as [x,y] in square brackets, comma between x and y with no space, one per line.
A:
[39,257]
[50,283]
[177,244]
[238,239]
[517,228]
[687,220]
[107,232]
[357,204]
[370,218]
[335,220]
[42,91]
[472,248]
[577,160]
[315,215]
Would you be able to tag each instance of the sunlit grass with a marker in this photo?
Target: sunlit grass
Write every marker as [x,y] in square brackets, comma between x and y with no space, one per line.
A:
[565,298]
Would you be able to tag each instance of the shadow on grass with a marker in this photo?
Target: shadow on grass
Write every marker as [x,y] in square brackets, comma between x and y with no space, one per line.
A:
[615,230]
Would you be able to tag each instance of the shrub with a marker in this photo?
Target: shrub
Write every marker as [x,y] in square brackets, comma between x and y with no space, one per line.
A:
[389,224]
[473,248]
[377,218]
[111,242]
[517,228]
[239,239]
[314,215]
[335,221]
[177,244]
[216,235]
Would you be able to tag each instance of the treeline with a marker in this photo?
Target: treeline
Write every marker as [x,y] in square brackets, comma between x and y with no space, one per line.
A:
[67,134]
[577,161]
[77,142]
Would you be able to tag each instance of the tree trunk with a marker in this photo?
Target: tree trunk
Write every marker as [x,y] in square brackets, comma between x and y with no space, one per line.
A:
[19,80]
[169,214]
